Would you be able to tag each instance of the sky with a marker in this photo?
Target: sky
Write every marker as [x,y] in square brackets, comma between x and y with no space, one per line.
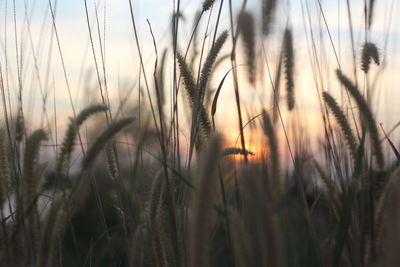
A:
[29,36]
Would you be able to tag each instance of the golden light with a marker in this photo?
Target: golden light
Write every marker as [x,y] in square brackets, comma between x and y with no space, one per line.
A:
[254,143]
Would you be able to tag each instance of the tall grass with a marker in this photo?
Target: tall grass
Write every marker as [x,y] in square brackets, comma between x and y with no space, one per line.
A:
[152,182]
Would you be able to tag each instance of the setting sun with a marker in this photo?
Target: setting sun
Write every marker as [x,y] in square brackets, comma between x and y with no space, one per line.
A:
[199,133]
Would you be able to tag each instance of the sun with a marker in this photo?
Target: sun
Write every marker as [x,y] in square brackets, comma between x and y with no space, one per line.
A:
[254,144]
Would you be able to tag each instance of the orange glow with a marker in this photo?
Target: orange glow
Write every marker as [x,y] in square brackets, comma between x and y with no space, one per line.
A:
[254,145]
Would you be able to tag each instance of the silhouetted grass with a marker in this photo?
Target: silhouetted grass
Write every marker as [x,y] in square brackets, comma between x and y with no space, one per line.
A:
[150,188]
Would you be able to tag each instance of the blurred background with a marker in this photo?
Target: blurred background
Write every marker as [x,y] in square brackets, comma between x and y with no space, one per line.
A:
[49,49]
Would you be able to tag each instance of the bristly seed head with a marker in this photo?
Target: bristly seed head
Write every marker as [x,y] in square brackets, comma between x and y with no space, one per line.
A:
[20,127]
[366,114]
[343,123]
[369,51]
[207,4]
[268,12]
[246,28]
[289,66]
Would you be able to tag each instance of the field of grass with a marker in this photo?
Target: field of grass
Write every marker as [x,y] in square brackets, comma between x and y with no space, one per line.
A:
[152,178]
